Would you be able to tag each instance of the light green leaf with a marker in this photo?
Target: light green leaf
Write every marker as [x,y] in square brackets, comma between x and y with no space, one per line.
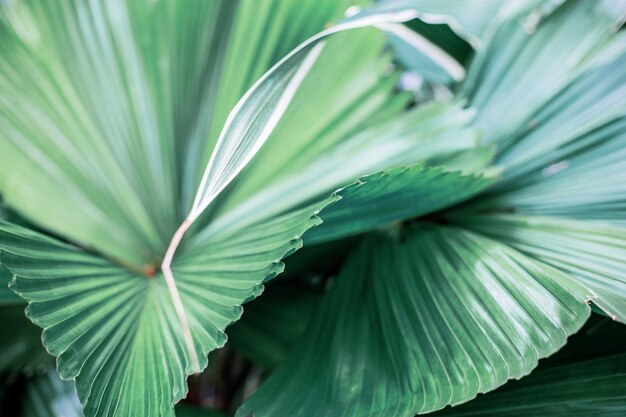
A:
[585,179]
[112,167]
[116,332]
[395,195]
[592,252]
[436,132]
[562,138]
[348,90]
[260,34]
[257,113]
[89,120]
[420,321]
[542,74]
[468,20]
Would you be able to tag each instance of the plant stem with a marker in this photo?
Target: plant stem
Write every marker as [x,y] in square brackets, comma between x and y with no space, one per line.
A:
[166,268]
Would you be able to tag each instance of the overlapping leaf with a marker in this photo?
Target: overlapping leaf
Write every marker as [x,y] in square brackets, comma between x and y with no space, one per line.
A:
[415,324]
[273,323]
[589,388]
[7,297]
[48,396]
[20,344]
[351,66]
[585,378]
[437,133]
[126,164]
[564,152]
[110,180]
[117,333]
[542,73]
[395,195]
[593,252]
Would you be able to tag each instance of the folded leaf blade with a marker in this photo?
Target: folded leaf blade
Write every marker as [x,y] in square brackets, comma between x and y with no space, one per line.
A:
[116,332]
[415,323]
[592,252]
[395,195]
[588,388]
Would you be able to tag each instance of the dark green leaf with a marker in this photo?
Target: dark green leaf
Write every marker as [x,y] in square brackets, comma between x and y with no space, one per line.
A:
[48,396]
[20,344]
[272,324]
[584,389]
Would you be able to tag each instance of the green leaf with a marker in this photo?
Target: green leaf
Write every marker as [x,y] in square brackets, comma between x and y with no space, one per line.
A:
[551,77]
[106,110]
[185,410]
[588,388]
[114,124]
[116,333]
[436,132]
[259,111]
[592,252]
[7,297]
[20,344]
[273,323]
[585,378]
[395,195]
[89,145]
[469,21]
[562,139]
[48,396]
[585,179]
[349,89]
[258,37]
[418,322]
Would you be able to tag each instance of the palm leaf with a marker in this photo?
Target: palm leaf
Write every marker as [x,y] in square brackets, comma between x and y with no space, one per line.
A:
[587,388]
[7,297]
[107,179]
[542,74]
[107,325]
[593,252]
[48,396]
[273,323]
[395,195]
[437,133]
[20,345]
[418,322]
[585,378]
